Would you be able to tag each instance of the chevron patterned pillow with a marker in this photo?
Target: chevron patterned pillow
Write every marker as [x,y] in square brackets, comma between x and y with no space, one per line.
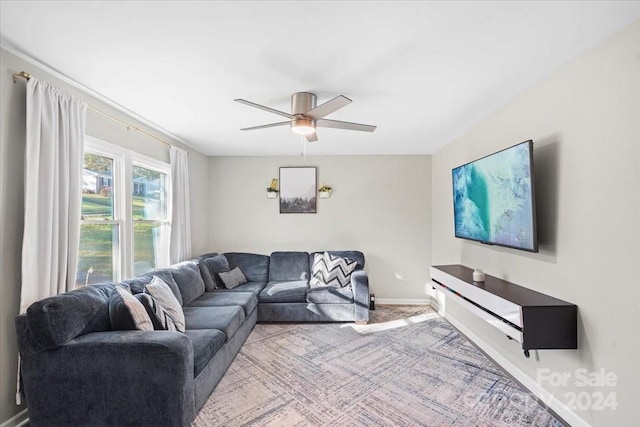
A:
[331,270]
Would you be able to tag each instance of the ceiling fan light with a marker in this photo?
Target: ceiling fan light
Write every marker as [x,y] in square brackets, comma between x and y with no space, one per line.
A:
[303,126]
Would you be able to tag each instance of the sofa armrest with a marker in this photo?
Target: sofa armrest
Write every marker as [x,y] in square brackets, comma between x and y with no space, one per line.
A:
[112,378]
[360,286]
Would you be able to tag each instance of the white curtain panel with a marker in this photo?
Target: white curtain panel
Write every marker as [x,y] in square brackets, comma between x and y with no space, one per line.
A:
[180,246]
[53,191]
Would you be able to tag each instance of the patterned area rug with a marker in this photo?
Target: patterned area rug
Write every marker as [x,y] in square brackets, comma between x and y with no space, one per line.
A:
[408,367]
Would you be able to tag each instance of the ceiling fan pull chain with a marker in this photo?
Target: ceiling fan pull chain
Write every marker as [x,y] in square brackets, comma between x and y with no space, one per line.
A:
[304,148]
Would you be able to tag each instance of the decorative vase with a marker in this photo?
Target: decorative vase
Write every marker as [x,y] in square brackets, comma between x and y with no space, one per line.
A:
[478,275]
[272,195]
[324,194]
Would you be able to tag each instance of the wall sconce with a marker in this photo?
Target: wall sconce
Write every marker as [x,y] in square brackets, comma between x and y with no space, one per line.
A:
[272,190]
[324,191]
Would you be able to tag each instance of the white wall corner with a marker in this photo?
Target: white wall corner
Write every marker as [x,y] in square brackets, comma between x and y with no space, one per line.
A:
[531,385]
[18,420]
[438,302]
[437,307]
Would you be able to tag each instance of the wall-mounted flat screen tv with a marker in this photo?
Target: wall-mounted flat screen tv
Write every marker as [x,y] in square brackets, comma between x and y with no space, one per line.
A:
[494,199]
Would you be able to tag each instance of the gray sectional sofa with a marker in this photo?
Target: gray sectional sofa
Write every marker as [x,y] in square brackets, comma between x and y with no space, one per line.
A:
[76,370]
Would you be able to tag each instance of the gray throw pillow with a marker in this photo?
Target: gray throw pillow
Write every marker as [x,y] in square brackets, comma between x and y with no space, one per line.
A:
[217,264]
[233,278]
[127,313]
[159,316]
[162,293]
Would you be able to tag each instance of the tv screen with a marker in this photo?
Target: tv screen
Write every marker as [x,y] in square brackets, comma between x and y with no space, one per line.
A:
[494,199]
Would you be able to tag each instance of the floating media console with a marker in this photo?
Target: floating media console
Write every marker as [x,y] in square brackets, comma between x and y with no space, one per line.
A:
[535,320]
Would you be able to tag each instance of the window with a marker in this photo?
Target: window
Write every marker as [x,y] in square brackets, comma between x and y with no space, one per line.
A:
[150,219]
[100,225]
[125,224]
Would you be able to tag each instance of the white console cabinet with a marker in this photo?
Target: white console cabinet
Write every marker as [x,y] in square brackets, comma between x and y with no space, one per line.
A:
[535,320]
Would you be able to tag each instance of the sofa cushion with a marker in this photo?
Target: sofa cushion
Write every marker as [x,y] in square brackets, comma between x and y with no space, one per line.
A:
[330,295]
[331,270]
[127,313]
[233,278]
[247,300]
[205,256]
[289,266]
[205,271]
[255,267]
[354,255]
[253,287]
[292,291]
[206,342]
[56,320]
[217,264]
[189,280]
[161,292]
[167,277]
[159,316]
[137,284]
[226,319]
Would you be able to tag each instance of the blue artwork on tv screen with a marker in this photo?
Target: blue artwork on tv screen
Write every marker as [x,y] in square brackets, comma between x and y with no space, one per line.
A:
[494,199]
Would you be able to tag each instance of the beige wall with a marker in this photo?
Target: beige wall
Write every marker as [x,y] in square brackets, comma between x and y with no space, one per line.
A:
[585,123]
[379,205]
[12,135]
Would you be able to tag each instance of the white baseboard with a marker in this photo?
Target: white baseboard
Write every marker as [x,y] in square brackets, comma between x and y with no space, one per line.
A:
[399,301]
[19,419]
[567,414]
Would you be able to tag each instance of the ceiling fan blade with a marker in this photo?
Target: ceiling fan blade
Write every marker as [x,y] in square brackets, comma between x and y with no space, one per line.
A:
[262,107]
[270,125]
[337,124]
[312,137]
[328,107]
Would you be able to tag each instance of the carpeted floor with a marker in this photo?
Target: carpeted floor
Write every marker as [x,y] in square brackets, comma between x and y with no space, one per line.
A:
[408,367]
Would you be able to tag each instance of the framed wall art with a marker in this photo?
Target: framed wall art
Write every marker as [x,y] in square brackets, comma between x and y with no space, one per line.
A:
[298,190]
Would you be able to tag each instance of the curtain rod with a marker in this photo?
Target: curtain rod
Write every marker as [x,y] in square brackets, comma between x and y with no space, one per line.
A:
[27,76]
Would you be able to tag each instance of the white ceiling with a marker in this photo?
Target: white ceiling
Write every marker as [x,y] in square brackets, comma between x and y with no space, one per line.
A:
[423,72]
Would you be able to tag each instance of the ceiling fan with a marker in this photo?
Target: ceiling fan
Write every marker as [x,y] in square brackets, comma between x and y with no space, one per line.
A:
[305,116]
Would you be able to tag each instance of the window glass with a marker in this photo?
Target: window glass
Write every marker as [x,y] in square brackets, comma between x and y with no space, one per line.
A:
[150,226]
[97,253]
[150,245]
[149,194]
[97,187]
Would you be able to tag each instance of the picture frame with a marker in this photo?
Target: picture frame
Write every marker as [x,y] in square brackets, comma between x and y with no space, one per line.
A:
[298,190]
